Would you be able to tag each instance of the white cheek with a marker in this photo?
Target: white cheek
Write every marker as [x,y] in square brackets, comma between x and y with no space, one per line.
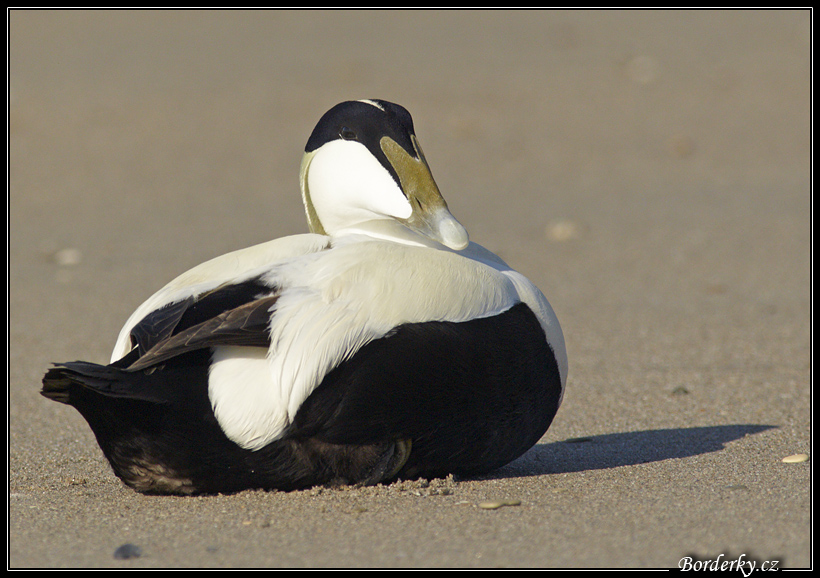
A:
[348,185]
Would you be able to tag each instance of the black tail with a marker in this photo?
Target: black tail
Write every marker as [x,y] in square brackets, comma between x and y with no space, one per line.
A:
[57,385]
[155,426]
[108,380]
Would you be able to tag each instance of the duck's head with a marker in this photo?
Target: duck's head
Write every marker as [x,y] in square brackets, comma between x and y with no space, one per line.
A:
[363,164]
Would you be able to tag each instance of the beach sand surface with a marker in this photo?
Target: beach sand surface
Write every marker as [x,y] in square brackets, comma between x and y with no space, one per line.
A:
[649,171]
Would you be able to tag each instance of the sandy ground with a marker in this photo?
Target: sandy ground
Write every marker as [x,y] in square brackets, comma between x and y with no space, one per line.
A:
[649,171]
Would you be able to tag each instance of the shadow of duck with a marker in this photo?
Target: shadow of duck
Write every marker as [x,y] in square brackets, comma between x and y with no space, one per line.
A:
[624,449]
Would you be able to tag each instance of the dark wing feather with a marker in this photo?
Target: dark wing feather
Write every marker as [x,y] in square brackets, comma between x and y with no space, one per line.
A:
[177,317]
[159,324]
[247,325]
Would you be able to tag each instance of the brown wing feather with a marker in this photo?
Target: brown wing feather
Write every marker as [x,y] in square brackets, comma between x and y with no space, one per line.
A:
[247,324]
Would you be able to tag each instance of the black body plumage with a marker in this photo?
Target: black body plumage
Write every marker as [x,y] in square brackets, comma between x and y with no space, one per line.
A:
[469,396]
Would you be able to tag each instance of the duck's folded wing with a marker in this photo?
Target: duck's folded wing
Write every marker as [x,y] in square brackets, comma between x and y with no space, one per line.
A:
[170,319]
[159,325]
[248,325]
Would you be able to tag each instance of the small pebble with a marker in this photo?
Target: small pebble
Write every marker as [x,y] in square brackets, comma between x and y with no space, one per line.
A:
[67,257]
[498,504]
[582,440]
[795,459]
[563,230]
[127,551]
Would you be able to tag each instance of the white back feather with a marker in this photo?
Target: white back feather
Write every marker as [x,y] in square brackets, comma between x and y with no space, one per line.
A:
[336,301]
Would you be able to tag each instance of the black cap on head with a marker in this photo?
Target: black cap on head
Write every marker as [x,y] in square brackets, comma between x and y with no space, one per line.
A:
[366,122]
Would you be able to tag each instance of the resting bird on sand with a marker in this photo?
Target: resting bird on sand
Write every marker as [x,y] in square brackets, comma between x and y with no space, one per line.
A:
[381,345]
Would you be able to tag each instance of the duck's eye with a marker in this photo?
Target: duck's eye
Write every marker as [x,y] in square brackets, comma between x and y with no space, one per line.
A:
[347,134]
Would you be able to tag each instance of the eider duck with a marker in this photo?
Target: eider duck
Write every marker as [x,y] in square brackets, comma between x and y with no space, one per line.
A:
[382,345]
